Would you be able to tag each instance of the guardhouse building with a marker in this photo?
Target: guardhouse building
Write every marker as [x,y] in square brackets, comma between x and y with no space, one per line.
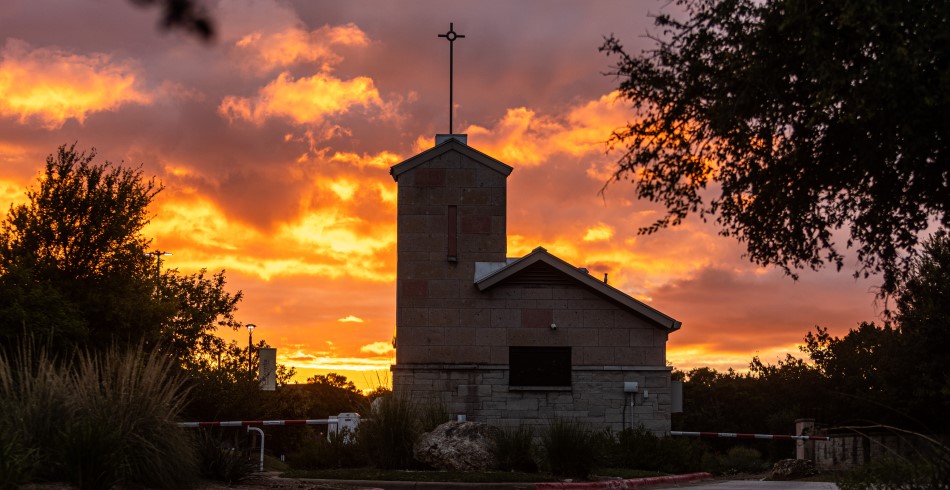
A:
[512,340]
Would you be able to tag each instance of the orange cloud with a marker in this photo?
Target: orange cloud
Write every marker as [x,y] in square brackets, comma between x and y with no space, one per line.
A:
[52,85]
[523,137]
[599,233]
[303,100]
[295,45]
[350,319]
[382,160]
[327,361]
[378,348]
[327,242]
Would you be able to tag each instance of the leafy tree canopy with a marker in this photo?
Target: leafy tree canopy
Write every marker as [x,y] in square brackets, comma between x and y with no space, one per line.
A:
[72,259]
[808,117]
[74,268]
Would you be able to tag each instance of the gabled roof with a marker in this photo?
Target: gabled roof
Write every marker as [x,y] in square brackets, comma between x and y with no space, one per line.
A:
[540,255]
[450,144]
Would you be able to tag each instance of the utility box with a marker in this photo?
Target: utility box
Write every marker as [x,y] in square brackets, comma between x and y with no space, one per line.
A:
[676,389]
[349,421]
[631,387]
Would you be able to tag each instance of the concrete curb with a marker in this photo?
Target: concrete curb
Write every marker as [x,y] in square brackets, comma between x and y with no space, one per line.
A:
[625,484]
[596,485]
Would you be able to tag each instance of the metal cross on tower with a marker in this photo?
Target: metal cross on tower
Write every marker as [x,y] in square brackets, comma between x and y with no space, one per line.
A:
[451,36]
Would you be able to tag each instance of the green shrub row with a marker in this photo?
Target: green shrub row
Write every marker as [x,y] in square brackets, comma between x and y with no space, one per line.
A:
[564,447]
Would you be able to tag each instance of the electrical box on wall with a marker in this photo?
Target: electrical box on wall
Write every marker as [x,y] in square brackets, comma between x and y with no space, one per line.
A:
[631,386]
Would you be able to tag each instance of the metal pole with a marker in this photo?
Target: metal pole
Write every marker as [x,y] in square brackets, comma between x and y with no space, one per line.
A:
[261,432]
[451,36]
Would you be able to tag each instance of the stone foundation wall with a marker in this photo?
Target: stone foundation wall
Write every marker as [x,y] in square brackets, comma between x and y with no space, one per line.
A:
[596,397]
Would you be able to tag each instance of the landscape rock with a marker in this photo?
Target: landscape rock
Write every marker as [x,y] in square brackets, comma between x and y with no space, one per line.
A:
[458,446]
[791,469]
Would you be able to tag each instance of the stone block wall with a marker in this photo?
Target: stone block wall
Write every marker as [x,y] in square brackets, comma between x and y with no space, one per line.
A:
[437,304]
[595,396]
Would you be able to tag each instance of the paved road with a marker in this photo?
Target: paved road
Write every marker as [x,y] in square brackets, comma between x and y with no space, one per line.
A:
[754,485]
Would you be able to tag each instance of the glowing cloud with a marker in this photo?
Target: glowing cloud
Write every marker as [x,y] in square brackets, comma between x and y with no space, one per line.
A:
[378,348]
[52,85]
[524,137]
[294,45]
[599,233]
[303,100]
[382,160]
[350,319]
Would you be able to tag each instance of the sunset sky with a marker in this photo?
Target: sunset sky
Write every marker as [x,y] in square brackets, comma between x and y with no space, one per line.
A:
[274,144]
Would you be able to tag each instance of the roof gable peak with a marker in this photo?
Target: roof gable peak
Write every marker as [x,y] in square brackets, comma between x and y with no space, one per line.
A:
[450,144]
[495,275]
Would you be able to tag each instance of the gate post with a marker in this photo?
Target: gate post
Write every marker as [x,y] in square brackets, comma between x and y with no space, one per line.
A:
[805,449]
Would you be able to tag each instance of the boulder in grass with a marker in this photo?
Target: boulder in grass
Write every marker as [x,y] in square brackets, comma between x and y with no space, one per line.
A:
[791,469]
[458,446]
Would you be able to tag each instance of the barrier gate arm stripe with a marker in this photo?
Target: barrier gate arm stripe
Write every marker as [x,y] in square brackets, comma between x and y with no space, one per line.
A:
[735,435]
[249,423]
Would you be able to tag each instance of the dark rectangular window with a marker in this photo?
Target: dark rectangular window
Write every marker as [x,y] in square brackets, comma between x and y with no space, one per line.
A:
[539,366]
[453,236]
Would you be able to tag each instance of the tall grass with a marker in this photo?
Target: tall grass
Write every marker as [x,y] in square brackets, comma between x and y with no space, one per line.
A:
[138,395]
[336,450]
[643,450]
[94,421]
[33,397]
[569,448]
[225,464]
[514,449]
[432,413]
[387,437]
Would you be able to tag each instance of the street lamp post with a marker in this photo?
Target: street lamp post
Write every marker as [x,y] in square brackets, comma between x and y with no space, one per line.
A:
[158,254]
[250,345]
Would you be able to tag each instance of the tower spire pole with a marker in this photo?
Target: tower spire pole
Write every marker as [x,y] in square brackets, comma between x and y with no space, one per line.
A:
[451,36]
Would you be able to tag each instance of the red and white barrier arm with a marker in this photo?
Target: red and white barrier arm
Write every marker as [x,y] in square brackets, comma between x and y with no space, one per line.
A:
[249,423]
[734,435]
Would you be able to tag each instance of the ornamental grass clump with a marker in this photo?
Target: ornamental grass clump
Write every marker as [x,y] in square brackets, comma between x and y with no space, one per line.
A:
[32,400]
[217,462]
[569,448]
[388,435]
[136,398]
[514,449]
[94,421]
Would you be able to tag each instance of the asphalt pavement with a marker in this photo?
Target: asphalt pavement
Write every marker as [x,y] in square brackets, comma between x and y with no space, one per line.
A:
[753,485]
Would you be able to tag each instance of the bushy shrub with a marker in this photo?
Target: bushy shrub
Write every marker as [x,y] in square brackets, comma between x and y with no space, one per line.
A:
[225,464]
[339,449]
[926,465]
[389,433]
[641,449]
[514,449]
[738,459]
[569,448]
[893,474]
